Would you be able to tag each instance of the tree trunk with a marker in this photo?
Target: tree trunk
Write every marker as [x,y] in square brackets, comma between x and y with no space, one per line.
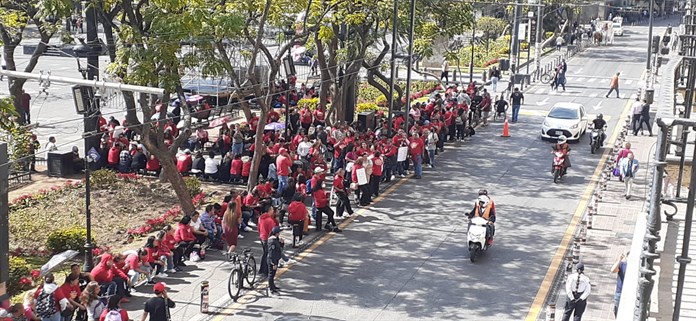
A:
[259,151]
[171,173]
[110,42]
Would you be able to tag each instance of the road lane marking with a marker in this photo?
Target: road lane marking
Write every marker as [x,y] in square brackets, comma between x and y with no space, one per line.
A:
[540,91]
[593,95]
[543,102]
[581,79]
[557,259]
[260,289]
[628,82]
[591,80]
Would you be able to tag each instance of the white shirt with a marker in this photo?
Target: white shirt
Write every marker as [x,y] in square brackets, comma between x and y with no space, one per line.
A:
[211,165]
[463,98]
[196,225]
[636,108]
[303,148]
[50,147]
[445,65]
[583,286]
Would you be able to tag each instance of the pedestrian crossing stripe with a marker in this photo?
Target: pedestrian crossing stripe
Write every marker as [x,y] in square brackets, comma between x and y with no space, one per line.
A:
[593,95]
[591,80]
[542,113]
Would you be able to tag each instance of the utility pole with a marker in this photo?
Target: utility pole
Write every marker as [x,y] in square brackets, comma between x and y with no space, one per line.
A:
[93,42]
[648,63]
[390,99]
[537,44]
[4,224]
[411,26]
[515,35]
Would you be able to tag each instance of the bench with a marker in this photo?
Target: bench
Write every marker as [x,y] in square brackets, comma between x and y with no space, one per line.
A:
[18,178]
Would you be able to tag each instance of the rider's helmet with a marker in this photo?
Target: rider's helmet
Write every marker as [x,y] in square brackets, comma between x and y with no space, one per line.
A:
[483,192]
[483,200]
[562,139]
[600,116]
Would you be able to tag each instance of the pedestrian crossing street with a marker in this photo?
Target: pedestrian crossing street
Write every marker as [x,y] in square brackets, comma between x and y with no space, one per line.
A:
[579,92]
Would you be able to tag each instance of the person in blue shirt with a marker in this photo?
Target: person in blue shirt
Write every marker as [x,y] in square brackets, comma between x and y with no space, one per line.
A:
[628,168]
[619,267]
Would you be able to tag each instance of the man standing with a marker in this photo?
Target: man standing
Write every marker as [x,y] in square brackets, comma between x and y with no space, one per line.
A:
[559,42]
[158,307]
[628,168]
[614,85]
[416,150]
[26,102]
[283,165]
[517,99]
[636,109]
[445,72]
[644,119]
[577,289]
[275,251]
[619,267]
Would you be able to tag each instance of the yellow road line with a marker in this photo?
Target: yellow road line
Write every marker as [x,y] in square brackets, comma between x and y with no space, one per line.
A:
[261,287]
[547,283]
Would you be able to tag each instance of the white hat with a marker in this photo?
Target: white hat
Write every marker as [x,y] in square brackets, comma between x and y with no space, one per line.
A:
[318,170]
[187,151]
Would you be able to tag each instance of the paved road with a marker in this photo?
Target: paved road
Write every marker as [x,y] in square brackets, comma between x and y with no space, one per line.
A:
[404,258]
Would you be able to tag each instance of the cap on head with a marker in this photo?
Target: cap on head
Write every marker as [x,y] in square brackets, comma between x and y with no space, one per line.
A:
[318,170]
[187,151]
[159,287]
[580,267]
[275,230]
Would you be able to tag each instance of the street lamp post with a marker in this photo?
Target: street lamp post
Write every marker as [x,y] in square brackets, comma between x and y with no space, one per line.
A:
[650,32]
[530,15]
[515,34]
[288,73]
[390,99]
[471,60]
[410,53]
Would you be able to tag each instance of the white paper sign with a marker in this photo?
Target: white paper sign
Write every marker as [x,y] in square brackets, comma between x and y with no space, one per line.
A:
[362,176]
[401,156]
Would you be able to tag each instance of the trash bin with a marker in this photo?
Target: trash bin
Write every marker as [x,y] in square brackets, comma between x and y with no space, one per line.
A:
[649,95]
[60,163]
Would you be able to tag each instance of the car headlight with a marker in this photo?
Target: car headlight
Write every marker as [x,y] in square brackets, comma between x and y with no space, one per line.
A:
[575,126]
[547,124]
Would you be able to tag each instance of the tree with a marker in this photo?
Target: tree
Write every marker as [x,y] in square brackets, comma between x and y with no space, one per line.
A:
[148,53]
[15,17]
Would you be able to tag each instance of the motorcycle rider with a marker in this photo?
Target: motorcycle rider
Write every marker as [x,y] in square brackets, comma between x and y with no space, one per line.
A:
[483,207]
[485,192]
[599,123]
[562,146]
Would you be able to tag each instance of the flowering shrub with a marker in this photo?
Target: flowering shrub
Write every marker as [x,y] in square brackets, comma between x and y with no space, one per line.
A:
[72,238]
[27,200]
[491,62]
[128,177]
[164,219]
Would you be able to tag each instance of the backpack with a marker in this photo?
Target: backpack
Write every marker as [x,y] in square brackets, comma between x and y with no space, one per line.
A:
[45,305]
[308,185]
[113,315]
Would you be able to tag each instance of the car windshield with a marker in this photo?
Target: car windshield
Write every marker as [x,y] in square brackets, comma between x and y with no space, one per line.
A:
[564,113]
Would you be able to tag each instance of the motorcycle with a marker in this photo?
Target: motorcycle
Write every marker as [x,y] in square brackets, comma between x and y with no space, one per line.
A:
[476,237]
[558,167]
[594,142]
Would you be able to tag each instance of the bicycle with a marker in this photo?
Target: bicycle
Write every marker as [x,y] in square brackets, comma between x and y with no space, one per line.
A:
[547,77]
[244,268]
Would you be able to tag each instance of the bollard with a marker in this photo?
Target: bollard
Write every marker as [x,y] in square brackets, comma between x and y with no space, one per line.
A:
[569,266]
[576,250]
[583,231]
[598,196]
[551,312]
[590,213]
[204,296]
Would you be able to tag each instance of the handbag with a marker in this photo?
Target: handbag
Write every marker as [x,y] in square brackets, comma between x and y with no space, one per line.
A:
[617,171]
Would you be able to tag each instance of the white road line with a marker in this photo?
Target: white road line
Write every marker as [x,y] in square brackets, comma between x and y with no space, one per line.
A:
[553,92]
[539,91]
[591,80]
[593,95]
[628,82]
[579,80]
[565,93]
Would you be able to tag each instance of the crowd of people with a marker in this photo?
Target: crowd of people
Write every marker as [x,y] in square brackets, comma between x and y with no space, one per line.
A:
[309,173]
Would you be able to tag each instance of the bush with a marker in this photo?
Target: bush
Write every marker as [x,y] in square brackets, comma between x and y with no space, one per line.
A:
[103,178]
[71,238]
[193,185]
[19,269]
[312,103]
[363,107]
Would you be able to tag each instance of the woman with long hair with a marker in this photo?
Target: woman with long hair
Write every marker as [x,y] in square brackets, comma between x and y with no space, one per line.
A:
[230,227]
[113,307]
[90,299]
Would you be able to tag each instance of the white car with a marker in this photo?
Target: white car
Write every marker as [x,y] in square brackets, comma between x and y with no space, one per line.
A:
[568,119]
[618,29]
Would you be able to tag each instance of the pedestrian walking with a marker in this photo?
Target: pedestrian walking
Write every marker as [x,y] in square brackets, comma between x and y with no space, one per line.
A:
[577,289]
[559,42]
[619,268]
[495,77]
[445,71]
[644,119]
[622,154]
[614,85]
[157,307]
[628,167]
[26,103]
[517,99]
[636,110]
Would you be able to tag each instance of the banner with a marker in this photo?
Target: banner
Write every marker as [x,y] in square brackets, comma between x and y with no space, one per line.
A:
[401,156]
[362,176]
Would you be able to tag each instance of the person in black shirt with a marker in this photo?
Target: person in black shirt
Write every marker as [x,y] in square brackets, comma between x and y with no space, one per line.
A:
[157,308]
[599,123]
[139,160]
[517,99]
[275,251]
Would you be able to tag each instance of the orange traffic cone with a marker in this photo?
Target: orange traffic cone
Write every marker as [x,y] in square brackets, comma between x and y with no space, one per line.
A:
[506,129]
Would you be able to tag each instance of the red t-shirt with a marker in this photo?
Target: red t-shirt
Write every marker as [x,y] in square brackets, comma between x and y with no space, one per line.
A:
[283,165]
[153,164]
[71,291]
[377,165]
[246,168]
[124,314]
[113,155]
[306,116]
[183,163]
[236,167]
[319,115]
[416,146]
[133,261]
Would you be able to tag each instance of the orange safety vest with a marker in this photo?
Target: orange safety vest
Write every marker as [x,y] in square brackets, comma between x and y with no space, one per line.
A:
[486,212]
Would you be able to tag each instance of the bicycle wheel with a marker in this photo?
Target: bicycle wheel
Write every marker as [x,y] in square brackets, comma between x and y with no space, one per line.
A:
[251,272]
[234,283]
[546,78]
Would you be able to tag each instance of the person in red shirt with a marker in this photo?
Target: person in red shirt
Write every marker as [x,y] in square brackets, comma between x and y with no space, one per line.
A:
[185,239]
[153,165]
[297,212]
[321,202]
[305,119]
[236,168]
[61,302]
[113,156]
[110,278]
[152,246]
[341,191]
[184,162]
[266,223]
[283,166]
[377,169]
[273,115]
[71,291]
[415,148]
[319,116]
[113,306]
[246,168]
